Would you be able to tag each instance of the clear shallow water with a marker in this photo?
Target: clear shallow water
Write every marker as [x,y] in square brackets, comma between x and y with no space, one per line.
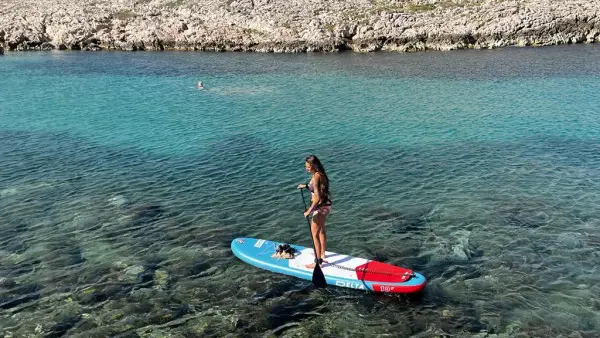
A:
[121,187]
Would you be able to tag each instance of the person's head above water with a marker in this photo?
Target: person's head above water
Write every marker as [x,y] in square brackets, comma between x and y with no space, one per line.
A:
[200,85]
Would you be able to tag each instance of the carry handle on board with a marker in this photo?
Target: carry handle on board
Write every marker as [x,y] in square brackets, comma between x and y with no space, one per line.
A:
[318,278]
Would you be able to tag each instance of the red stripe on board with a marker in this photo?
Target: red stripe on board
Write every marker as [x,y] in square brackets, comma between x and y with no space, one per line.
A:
[374,271]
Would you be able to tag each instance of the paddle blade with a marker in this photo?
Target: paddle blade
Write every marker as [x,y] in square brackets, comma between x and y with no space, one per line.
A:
[318,278]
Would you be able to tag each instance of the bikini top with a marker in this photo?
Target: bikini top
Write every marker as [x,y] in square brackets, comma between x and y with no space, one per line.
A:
[311,187]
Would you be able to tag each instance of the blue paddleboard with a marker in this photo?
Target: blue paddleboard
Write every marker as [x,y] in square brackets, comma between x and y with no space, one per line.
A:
[339,270]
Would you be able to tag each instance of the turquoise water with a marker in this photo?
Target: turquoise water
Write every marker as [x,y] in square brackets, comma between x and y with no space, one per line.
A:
[122,185]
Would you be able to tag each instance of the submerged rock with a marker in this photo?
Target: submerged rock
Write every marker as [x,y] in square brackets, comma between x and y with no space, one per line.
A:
[65,255]
[19,294]
[8,192]
[525,214]
[570,240]
[9,258]
[161,277]
[144,212]
[62,327]
[132,274]
[281,315]
[458,246]
[462,248]
[95,295]
[7,283]
[117,201]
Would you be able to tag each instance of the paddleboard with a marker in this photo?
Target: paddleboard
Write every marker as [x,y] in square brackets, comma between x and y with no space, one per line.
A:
[340,270]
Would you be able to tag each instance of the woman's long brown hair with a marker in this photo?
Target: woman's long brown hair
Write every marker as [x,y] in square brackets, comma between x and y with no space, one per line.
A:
[324,186]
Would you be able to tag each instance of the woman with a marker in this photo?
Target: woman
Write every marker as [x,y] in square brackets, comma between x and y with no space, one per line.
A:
[319,207]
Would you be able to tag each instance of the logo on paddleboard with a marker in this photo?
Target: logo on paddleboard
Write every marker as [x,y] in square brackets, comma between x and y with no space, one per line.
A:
[351,285]
[259,243]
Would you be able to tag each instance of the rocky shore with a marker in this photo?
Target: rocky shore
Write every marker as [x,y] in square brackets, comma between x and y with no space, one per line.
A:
[290,26]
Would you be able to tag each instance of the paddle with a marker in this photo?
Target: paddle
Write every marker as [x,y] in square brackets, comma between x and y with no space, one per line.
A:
[318,278]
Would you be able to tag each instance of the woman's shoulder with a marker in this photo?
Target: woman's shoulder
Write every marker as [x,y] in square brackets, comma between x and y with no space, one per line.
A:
[318,177]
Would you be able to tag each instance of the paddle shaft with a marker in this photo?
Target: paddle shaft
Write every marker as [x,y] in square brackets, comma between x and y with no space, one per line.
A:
[308,222]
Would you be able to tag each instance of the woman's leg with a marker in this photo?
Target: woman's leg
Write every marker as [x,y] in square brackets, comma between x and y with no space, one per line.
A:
[323,239]
[317,231]
[319,220]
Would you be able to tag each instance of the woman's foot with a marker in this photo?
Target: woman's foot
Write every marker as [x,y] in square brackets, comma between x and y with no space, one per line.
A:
[313,264]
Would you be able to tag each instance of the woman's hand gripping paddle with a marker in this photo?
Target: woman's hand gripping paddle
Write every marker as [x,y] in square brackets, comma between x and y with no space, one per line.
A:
[318,278]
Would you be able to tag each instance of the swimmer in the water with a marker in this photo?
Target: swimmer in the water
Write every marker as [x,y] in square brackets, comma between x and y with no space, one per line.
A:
[200,85]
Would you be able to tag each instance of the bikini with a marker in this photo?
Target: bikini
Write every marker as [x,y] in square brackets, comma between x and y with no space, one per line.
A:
[321,208]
